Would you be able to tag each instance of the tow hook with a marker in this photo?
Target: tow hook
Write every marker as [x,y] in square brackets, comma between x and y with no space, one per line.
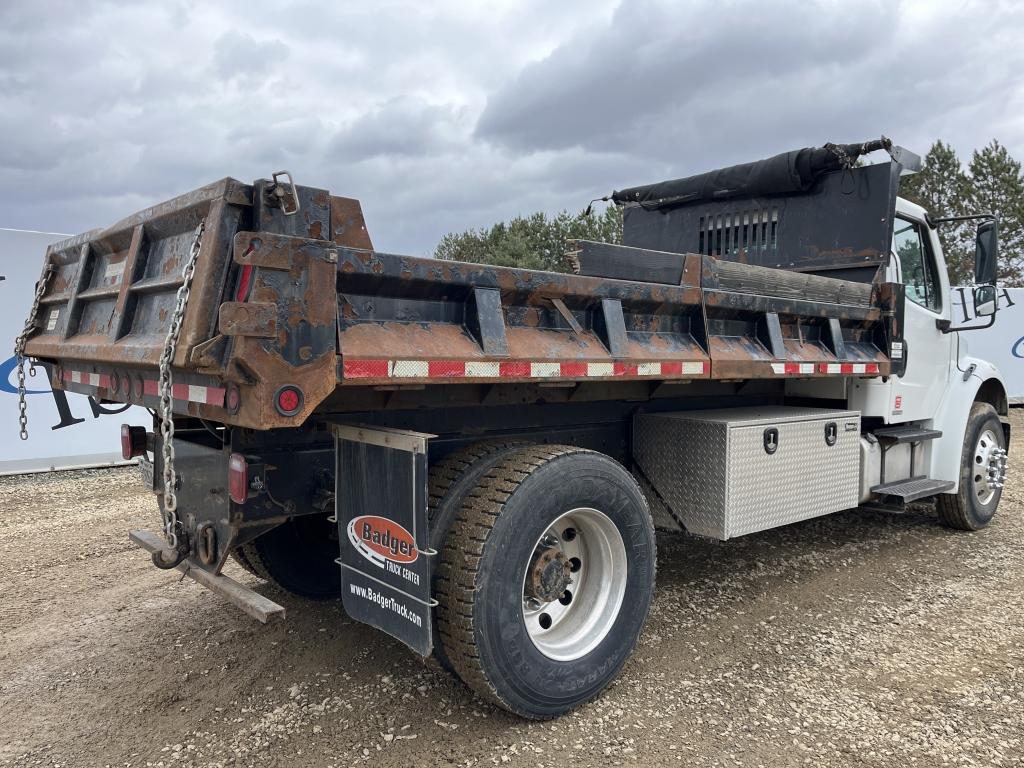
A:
[168,558]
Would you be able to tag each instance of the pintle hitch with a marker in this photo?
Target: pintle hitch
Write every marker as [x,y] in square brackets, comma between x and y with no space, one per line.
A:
[169,557]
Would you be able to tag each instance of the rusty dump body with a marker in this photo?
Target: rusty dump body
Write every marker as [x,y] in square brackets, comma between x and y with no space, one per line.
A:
[303,302]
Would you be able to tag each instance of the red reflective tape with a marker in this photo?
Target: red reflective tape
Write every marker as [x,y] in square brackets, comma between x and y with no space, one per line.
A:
[514,370]
[625,369]
[179,391]
[871,368]
[365,369]
[673,369]
[446,368]
[574,369]
[215,396]
[150,387]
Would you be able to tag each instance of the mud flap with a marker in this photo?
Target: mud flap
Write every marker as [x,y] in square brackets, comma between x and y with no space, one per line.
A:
[386,560]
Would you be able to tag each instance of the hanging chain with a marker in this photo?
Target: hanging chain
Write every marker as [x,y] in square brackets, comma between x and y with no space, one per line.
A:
[19,349]
[165,392]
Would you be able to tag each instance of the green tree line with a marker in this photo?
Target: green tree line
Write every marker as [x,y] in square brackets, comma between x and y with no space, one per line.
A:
[536,241]
[993,182]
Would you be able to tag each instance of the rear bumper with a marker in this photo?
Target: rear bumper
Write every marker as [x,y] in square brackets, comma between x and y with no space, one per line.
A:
[256,605]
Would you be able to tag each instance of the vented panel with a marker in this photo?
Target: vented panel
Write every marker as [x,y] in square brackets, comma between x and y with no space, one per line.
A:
[753,231]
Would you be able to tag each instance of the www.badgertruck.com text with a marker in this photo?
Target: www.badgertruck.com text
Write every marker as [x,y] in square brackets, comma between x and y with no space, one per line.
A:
[387,602]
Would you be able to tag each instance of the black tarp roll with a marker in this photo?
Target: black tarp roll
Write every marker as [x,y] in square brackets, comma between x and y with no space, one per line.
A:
[787,173]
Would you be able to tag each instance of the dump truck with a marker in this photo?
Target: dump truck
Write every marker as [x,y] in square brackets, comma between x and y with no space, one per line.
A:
[474,458]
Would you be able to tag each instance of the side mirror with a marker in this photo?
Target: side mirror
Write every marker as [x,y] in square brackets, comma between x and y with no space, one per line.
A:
[984,300]
[986,252]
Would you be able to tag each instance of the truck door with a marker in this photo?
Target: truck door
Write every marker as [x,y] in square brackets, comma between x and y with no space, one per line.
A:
[916,394]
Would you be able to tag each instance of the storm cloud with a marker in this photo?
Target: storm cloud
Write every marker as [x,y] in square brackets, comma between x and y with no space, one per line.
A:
[442,116]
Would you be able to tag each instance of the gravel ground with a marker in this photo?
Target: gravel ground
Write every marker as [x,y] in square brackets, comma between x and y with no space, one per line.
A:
[858,639]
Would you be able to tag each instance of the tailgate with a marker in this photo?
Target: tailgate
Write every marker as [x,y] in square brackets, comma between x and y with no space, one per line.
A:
[111,293]
[257,320]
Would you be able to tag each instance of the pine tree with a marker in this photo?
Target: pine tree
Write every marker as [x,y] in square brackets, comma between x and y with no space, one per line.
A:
[942,188]
[997,186]
[531,242]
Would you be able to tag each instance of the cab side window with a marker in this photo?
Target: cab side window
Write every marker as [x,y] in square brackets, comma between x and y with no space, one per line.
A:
[917,263]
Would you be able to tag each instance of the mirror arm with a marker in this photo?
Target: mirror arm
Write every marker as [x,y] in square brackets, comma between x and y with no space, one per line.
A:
[945,326]
[949,219]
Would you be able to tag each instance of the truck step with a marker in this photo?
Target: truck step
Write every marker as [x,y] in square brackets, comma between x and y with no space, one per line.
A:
[913,489]
[903,434]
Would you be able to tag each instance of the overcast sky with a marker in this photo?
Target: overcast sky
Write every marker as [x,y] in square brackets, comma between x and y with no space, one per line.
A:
[444,115]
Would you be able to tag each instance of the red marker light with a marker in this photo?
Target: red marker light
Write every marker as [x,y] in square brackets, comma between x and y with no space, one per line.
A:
[288,400]
[133,441]
[238,478]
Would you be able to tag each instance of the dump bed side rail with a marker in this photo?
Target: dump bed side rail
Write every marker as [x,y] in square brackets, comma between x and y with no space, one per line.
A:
[287,312]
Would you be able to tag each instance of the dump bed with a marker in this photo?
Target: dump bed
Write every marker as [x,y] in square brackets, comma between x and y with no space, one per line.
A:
[291,310]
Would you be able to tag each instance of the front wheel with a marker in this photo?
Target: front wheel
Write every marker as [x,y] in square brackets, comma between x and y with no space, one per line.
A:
[982,473]
[548,573]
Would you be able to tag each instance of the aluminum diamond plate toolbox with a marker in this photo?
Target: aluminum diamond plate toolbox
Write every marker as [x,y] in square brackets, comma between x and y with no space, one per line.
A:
[729,472]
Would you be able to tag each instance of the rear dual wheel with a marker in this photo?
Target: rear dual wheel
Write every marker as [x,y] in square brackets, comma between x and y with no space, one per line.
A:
[545,578]
[297,556]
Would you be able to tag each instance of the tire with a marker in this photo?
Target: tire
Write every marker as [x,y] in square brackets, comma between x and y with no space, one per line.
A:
[297,556]
[244,556]
[503,542]
[449,480]
[456,475]
[972,507]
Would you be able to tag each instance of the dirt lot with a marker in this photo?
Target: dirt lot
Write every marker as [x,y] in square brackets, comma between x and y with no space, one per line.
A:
[858,639]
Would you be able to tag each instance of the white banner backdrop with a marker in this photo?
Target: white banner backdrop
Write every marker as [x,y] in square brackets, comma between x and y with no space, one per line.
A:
[65,430]
[1003,343]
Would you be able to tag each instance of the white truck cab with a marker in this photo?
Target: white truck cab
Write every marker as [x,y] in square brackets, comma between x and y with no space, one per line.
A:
[942,386]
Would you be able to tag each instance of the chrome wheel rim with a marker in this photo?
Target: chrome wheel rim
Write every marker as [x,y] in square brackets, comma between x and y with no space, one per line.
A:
[987,468]
[586,546]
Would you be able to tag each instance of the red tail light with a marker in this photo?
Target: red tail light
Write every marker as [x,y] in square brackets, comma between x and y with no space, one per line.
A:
[133,441]
[288,400]
[238,478]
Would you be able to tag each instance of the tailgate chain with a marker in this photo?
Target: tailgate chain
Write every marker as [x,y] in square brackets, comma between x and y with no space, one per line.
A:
[19,348]
[177,551]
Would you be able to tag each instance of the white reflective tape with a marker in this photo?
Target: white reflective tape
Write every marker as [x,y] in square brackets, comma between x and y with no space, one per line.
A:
[114,271]
[648,369]
[693,368]
[600,369]
[196,394]
[409,368]
[483,369]
[778,367]
[806,367]
[51,323]
[859,368]
[545,370]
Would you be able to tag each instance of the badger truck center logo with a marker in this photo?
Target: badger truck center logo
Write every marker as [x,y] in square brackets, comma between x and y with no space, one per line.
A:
[379,539]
